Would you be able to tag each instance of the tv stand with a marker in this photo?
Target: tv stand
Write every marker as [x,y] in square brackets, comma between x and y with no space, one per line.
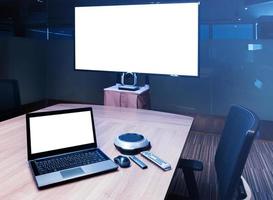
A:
[114,96]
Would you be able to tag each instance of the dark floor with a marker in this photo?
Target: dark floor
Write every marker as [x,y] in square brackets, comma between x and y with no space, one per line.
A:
[258,170]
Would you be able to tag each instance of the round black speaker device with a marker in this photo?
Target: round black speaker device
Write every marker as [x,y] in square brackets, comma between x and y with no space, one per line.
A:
[131,143]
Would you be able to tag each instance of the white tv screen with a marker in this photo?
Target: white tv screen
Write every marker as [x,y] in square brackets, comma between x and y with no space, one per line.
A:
[150,38]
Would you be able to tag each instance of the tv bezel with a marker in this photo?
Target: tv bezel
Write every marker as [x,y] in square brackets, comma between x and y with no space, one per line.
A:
[153,74]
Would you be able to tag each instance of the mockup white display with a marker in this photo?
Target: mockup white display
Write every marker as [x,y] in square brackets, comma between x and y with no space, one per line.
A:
[150,38]
[60,131]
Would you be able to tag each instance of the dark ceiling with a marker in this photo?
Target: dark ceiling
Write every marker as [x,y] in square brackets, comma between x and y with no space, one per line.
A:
[17,14]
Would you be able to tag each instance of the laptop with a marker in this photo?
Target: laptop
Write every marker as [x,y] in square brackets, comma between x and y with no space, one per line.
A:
[62,146]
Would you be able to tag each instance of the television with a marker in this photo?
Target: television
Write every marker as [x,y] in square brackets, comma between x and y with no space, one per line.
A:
[159,38]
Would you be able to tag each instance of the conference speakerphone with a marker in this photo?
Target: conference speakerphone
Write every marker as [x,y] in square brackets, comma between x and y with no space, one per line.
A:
[131,143]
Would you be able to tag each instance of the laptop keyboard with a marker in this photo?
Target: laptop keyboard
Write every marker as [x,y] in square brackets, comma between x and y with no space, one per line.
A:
[71,160]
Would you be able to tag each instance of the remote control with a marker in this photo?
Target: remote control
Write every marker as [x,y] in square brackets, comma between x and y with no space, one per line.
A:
[156,160]
[138,162]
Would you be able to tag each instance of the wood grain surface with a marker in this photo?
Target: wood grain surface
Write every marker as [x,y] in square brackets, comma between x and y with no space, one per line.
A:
[167,133]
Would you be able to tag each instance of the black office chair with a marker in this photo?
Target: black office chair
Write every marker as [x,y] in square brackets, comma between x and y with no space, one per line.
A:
[237,137]
[9,95]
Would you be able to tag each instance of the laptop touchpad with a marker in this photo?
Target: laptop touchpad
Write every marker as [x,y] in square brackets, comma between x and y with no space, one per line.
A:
[72,172]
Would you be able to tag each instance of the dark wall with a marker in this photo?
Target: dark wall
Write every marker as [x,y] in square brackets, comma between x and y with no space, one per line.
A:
[3,58]
[229,74]
[24,59]
[64,83]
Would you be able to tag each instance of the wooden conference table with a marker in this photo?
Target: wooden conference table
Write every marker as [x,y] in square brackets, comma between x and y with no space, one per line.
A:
[167,133]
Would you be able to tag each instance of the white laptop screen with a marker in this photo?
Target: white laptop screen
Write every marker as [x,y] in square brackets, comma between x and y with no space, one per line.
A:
[53,132]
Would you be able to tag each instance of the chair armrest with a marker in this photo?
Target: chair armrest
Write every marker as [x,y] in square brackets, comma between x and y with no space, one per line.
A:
[188,167]
[241,190]
[247,189]
[189,164]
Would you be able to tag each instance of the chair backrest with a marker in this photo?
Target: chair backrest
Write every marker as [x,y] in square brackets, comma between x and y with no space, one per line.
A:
[9,95]
[237,137]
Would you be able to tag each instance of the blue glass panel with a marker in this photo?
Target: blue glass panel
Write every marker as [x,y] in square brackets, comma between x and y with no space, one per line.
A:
[254,1]
[37,33]
[204,32]
[232,31]
[61,33]
[54,33]
[5,33]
